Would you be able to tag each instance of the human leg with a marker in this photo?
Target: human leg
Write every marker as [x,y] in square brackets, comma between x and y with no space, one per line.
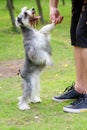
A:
[71,93]
[80,105]
[84,54]
[78,88]
[79,64]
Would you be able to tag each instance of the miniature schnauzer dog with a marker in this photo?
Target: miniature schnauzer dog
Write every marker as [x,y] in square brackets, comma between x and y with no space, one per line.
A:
[37,55]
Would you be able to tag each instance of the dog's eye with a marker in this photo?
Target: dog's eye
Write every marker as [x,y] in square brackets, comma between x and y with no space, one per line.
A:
[25,14]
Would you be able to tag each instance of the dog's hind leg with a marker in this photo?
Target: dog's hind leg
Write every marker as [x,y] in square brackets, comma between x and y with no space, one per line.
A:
[23,100]
[35,94]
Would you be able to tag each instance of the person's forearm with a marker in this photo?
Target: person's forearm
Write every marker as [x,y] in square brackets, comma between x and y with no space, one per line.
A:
[55,16]
[53,3]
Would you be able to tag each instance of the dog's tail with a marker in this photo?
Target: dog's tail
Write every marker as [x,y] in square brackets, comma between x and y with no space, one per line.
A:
[47,29]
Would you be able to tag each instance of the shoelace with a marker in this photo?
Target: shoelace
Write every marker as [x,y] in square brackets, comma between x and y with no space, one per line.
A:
[82,97]
[69,87]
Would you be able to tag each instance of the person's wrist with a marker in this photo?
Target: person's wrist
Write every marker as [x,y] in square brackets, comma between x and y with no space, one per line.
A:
[53,8]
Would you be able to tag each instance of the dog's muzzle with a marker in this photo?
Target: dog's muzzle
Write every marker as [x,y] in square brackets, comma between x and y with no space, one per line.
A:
[19,20]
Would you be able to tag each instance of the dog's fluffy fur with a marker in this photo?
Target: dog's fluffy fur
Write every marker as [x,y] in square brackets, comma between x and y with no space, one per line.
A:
[37,56]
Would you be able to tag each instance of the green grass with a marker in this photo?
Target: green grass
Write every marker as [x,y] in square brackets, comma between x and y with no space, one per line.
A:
[47,115]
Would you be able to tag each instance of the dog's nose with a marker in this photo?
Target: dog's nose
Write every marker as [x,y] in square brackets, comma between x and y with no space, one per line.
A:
[19,19]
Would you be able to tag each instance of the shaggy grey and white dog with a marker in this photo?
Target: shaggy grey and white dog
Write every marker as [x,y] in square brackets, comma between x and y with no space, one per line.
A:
[37,56]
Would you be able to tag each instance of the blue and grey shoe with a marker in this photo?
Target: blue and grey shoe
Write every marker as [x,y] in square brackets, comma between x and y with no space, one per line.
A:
[69,93]
[78,106]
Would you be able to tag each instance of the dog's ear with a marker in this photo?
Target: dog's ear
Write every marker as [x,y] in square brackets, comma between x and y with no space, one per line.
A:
[23,10]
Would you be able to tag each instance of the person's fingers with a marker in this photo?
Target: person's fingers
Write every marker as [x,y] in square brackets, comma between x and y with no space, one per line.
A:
[59,20]
[56,19]
[53,19]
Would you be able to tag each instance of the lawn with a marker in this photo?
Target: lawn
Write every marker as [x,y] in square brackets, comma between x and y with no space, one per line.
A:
[47,115]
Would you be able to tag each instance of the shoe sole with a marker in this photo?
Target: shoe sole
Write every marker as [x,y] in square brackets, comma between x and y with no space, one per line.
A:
[69,110]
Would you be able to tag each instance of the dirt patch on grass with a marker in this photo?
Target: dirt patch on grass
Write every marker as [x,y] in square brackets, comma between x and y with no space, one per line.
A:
[10,68]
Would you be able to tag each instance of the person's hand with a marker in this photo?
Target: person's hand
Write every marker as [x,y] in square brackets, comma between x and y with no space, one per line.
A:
[55,16]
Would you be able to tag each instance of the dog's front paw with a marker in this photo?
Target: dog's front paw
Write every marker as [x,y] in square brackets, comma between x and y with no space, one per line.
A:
[36,100]
[49,63]
[23,106]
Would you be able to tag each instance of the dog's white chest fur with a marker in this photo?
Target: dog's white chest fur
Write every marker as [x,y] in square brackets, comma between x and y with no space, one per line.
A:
[40,39]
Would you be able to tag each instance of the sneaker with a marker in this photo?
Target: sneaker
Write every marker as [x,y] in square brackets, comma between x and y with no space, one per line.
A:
[78,106]
[69,93]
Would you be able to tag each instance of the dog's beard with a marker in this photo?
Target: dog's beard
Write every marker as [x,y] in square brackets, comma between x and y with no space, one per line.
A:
[33,21]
